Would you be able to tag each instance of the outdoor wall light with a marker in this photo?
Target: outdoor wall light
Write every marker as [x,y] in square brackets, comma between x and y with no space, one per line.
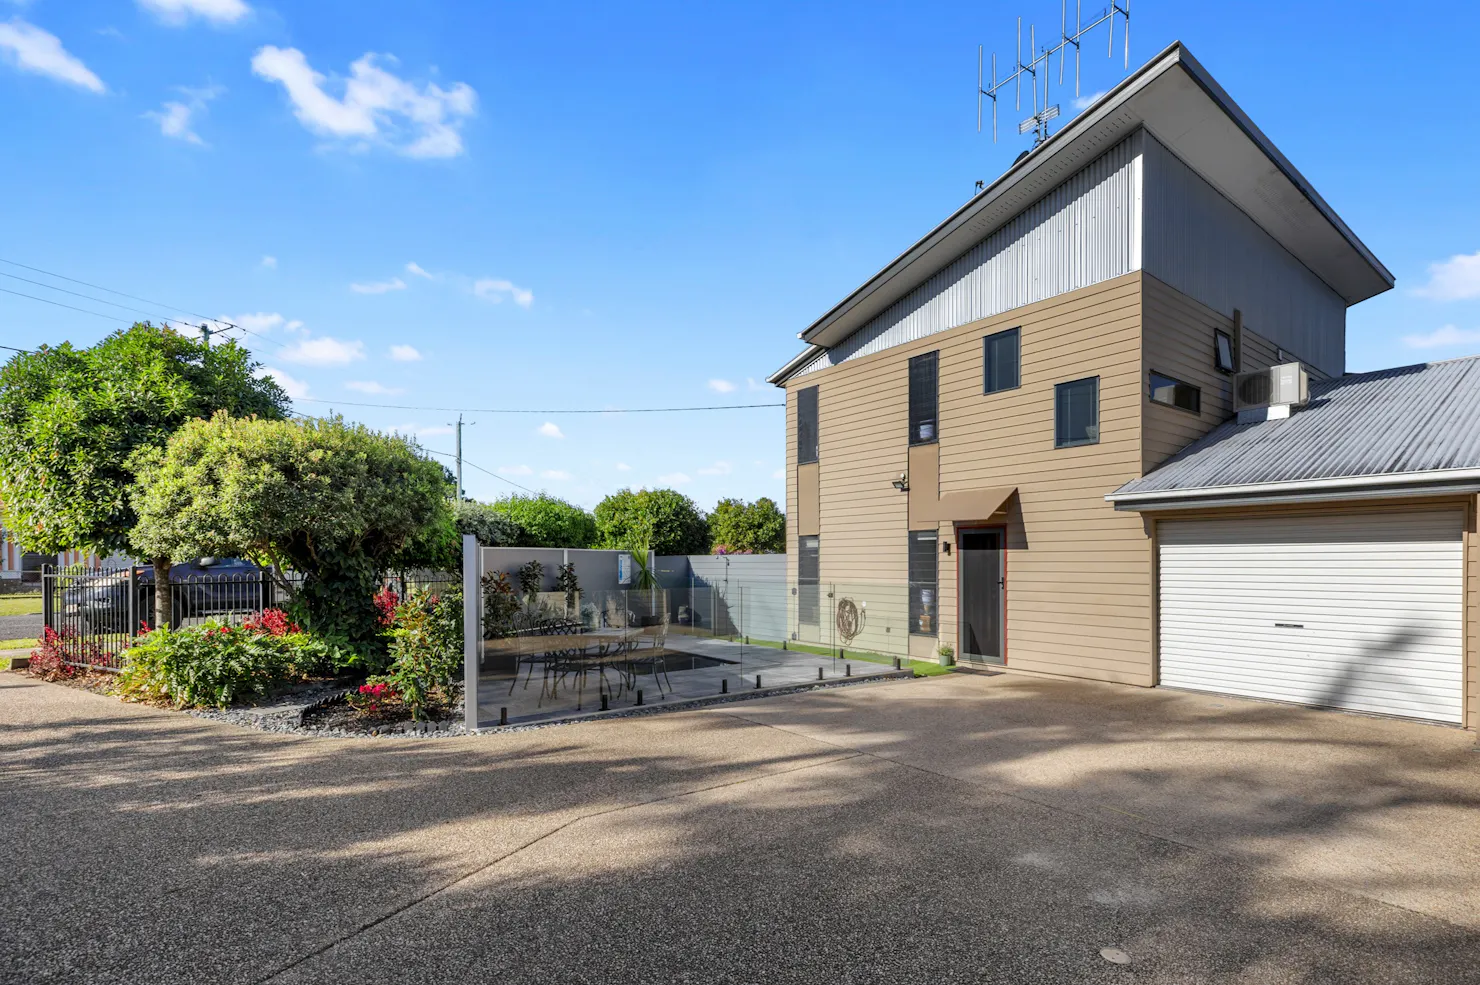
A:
[903,482]
[945,547]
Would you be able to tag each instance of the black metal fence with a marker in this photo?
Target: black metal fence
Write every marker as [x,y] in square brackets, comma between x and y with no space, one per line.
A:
[92,615]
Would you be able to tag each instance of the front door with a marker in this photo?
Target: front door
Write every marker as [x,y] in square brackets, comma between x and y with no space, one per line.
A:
[981,595]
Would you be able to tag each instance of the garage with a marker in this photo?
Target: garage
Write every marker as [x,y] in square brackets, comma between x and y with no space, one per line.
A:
[1358,610]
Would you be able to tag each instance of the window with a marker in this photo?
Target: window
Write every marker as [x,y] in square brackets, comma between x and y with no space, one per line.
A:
[1076,413]
[922,570]
[1000,361]
[924,371]
[807,425]
[1223,352]
[809,606]
[1175,393]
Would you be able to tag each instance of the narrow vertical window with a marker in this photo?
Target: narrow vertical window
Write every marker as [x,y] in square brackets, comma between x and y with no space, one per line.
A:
[808,600]
[1000,361]
[1076,413]
[924,398]
[807,425]
[922,585]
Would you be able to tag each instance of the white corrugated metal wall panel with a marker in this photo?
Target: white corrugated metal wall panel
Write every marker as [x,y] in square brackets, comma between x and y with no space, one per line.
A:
[1083,232]
[1206,247]
[1362,611]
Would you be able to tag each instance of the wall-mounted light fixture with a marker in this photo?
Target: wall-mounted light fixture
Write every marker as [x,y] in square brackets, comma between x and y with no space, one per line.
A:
[945,547]
[903,482]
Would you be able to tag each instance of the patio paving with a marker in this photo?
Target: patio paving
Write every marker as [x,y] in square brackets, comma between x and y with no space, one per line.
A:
[720,663]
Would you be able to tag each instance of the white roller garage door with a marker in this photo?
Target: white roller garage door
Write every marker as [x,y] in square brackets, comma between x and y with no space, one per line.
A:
[1360,611]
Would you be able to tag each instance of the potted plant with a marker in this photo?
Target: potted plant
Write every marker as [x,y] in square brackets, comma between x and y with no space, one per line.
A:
[947,654]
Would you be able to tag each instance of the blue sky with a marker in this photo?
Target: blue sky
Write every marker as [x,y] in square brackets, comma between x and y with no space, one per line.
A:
[565,205]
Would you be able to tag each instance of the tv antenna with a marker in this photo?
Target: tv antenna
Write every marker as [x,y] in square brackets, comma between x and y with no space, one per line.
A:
[1040,63]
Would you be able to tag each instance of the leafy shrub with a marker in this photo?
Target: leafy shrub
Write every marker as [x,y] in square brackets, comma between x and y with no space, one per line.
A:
[212,665]
[59,655]
[567,582]
[748,528]
[531,576]
[426,653]
[545,521]
[492,527]
[666,520]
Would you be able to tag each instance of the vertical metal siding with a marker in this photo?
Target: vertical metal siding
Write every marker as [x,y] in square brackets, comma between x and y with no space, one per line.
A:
[1203,245]
[1085,231]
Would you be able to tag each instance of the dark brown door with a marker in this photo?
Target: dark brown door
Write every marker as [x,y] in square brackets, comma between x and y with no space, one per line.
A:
[981,595]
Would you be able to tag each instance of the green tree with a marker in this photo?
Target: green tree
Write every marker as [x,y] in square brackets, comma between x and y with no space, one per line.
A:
[668,519]
[755,528]
[337,502]
[70,420]
[492,527]
[546,521]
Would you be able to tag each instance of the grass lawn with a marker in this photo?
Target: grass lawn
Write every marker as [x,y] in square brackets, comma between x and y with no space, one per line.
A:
[25,642]
[20,605]
[922,668]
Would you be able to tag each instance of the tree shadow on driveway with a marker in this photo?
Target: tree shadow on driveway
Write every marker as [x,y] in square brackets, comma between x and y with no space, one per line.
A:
[951,830]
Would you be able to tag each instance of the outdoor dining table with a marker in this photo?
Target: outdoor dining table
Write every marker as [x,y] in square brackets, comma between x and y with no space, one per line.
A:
[576,654]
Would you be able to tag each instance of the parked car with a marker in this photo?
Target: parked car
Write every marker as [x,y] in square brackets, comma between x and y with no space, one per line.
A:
[208,586]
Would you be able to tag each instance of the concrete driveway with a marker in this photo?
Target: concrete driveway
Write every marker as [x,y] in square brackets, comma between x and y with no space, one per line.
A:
[960,829]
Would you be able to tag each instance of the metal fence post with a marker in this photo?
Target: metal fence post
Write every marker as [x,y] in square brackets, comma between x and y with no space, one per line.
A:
[133,600]
[48,608]
[472,627]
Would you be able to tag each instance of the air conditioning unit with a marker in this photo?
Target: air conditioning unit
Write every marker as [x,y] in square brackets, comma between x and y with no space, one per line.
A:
[1270,393]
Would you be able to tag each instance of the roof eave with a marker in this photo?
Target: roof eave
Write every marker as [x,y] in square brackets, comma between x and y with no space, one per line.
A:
[1429,483]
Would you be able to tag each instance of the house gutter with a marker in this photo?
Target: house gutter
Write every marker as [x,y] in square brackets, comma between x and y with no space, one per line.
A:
[1434,482]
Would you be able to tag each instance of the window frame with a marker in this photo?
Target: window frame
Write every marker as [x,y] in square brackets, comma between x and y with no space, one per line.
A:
[1219,335]
[915,423]
[916,604]
[809,589]
[1017,356]
[1058,389]
[804,396]
[1152,375]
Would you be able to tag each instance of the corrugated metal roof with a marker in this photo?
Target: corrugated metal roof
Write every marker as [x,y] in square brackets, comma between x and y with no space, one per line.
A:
[1410,419]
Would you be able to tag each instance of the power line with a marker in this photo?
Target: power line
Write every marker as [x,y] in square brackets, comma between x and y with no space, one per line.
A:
[73,307]
[89,297]
[482,469]
[99,287]
[521,410]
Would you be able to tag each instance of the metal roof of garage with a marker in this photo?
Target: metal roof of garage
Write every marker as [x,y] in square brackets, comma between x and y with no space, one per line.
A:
[1413,429]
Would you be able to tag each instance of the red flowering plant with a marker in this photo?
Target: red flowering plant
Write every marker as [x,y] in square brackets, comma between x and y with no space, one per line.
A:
[271,622]
[62,654]
[373,697]
[386,601]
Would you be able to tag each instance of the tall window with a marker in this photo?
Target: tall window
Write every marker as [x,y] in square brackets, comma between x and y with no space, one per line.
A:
[1223,352]
[924,398]
[923,578]
[1076,413]
[1000,361]
[807,425]
[808,601]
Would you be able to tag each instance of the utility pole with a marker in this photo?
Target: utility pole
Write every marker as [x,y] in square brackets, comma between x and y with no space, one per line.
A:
[205,333]
[459,459]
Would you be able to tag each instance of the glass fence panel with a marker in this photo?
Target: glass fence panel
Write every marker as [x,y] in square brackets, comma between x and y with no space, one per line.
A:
[550,657]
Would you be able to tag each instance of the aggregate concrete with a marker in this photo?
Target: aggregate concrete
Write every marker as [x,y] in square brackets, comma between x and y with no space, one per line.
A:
[957,829]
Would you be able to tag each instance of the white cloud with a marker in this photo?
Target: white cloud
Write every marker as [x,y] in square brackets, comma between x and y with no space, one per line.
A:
[417,270]
[418,121]
[292,387]
[495,289]
[623,467]
[261,321]
[674,479]
[1448,335]
[371,386]
[379,286]
[721,386]
[551,430]
[405,354]
[177,12]
[1455,279]
[325,351]
[514,470]
[175,118]
[1083,102]
[779,474]
[752,384]
[293,326]
[31,49]
[269,262]
[718,468]
[558,474]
